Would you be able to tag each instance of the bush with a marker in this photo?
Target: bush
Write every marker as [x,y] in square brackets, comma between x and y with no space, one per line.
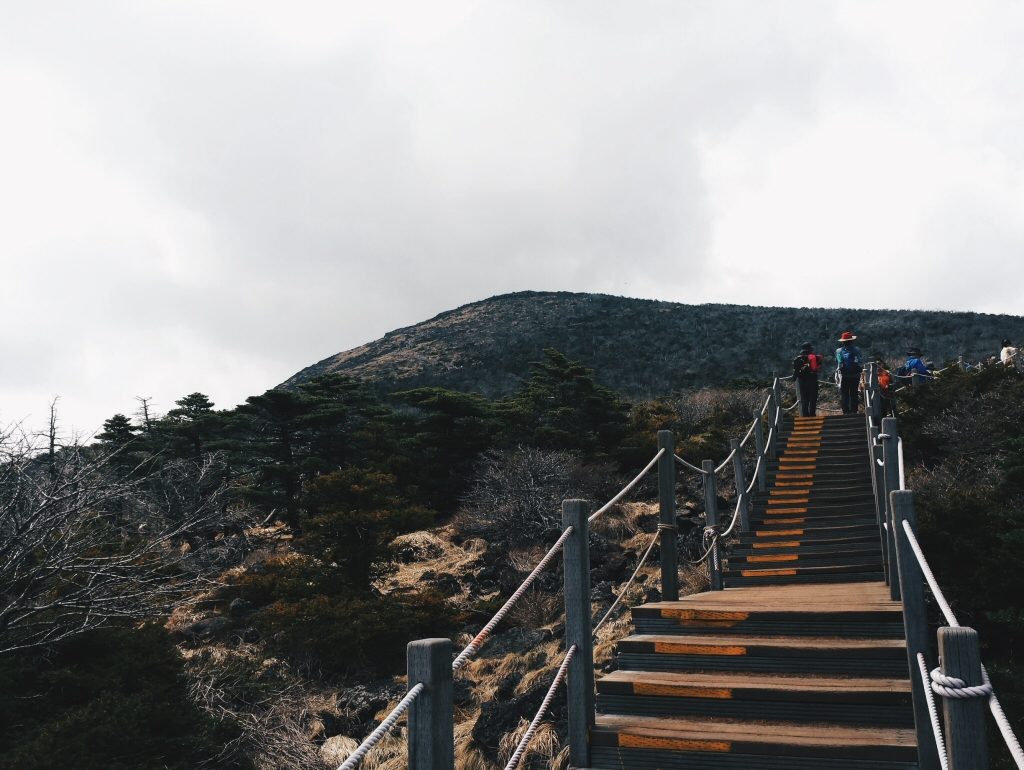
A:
[112,699]
[310,611]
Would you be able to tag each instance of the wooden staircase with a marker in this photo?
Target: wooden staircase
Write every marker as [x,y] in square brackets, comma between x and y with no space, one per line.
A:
[800,663]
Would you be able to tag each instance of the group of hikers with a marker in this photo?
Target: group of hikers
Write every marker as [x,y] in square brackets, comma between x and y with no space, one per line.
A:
[850,374]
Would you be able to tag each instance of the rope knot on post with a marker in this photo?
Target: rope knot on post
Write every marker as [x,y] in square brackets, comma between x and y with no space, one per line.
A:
[952,687]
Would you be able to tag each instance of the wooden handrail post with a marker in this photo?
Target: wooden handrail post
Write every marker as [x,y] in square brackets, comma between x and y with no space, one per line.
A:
[711,520]
[667,517]
[915,623]
[963,718]
[878,472]
[741,484]
[960,364]
[580,689]
[762,474]
[431,715]
[890,457]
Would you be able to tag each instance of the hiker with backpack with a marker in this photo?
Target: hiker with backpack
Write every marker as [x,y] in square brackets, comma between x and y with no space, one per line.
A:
[885,389]
[806,367]
[915,368]
[849,365]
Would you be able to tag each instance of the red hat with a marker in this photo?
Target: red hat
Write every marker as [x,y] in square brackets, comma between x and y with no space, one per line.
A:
[847,337]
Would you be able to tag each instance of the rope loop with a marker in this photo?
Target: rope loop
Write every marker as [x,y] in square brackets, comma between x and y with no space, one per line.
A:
[667,527]
[951,687]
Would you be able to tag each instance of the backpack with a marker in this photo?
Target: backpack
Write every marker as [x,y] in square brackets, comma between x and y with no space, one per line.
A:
[884,379]
[848,358]
[813,362]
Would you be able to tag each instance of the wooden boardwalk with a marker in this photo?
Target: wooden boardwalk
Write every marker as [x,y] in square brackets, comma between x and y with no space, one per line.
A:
[800,662]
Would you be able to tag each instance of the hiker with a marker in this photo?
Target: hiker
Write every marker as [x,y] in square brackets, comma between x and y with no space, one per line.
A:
[915,368]
[885,389]
[805,371]
[1008,355]
[849,364]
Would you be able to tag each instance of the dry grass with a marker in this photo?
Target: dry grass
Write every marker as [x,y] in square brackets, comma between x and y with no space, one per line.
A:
[443,558]
[544,746]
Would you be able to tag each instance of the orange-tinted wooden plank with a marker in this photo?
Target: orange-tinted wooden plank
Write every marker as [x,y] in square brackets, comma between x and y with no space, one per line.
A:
[767,572]
[774,557]
[672,744]
[679,648]
[715,693]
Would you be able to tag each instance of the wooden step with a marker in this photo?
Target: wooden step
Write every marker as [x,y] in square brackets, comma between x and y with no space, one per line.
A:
[763,653]
[695,742]
[653,743]
[805,698]
[843,609]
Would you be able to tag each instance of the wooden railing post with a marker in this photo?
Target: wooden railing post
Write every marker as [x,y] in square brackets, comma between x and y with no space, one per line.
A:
[878,472]
[960,364]
[890,457]
[762,474]
[667,517]
[741,484]
[963,718]
[711,520]
[915,623]
[580,689]
[431,715]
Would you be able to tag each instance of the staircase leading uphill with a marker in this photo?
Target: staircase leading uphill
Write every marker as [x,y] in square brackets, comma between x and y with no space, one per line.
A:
[800,663]
[816,523]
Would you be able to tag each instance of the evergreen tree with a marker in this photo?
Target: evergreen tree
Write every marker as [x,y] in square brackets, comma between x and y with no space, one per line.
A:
[562,407]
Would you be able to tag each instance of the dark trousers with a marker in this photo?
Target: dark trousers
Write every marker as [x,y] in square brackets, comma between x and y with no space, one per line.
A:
[849,393]
[808,387]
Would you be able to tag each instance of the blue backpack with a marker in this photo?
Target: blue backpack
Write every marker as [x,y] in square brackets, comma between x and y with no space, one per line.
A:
[849,358]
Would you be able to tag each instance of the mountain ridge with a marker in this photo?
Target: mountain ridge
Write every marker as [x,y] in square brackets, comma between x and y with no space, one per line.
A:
[642,347]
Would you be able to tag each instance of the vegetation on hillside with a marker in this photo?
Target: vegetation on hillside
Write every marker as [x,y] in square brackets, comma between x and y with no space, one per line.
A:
[644,349]
[965,450]
[273,560]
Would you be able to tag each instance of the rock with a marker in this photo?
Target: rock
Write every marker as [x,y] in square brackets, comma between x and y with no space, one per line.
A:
[652,595]
[337,749]
[250,635]
[239,607]
[448,585]
[205,628]
[601,591]
[362,702]
[316,730]
[515,640]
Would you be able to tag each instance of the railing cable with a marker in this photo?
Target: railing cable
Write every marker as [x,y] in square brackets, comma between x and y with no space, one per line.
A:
[474,646]
[382,729]
[531,731]
[692,467]
[604,508]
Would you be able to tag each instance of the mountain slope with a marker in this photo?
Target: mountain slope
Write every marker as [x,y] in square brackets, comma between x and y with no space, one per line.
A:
[644,348]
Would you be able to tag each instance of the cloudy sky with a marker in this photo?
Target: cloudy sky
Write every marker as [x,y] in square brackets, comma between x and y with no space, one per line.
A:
[211,195]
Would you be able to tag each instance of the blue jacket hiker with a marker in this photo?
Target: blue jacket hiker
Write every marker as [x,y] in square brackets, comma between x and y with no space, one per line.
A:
[849,365]
[915,367]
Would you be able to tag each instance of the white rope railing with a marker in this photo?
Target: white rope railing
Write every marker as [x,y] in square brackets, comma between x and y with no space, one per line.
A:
[750,432]
[933,711]
[531,731]
[946,685]
[899,452]
[383,729]
[692,467]
[726,461]
[474,646]
[622,493]
[622,591]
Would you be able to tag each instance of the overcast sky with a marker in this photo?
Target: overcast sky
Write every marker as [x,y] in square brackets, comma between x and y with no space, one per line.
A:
[212,195]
